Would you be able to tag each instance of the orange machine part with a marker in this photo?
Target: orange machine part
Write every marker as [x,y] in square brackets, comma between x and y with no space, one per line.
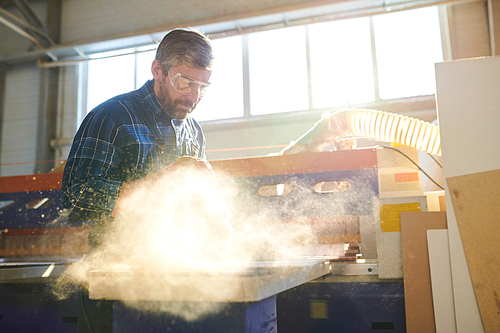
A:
[30,183]
[296,163]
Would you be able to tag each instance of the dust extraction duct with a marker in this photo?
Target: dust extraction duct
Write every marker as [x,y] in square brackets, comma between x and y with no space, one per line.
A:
[370,124]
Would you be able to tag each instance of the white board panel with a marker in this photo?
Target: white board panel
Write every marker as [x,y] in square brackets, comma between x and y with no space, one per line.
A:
[442,290]
[468,105]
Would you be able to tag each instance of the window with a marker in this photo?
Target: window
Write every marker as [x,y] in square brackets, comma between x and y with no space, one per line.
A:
[278,71]
[224,98]
[109,77]
[302,68]
[406,54]
[143,64]
[341,63]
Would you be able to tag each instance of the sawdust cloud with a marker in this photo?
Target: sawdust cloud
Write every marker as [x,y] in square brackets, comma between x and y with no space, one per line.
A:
[174,240]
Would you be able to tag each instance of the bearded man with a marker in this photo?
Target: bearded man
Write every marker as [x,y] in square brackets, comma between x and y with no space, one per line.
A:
[134,138]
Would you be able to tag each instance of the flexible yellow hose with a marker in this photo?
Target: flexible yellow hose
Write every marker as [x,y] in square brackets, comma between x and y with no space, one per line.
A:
[371,124]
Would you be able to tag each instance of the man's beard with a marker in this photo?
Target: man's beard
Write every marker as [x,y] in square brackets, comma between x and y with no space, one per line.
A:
[170,106]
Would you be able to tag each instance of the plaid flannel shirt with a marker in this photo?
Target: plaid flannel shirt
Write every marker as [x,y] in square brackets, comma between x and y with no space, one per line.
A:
[113,145]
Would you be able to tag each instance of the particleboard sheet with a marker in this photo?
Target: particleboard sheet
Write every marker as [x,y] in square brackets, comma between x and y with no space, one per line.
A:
[476,202]
[416,273]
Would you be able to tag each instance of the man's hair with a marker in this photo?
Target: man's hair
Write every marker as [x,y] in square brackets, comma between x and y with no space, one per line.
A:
[185,46]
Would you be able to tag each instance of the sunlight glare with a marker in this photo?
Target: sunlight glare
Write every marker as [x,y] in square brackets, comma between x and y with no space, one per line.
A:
[278,71]
[408,44]
[341,63]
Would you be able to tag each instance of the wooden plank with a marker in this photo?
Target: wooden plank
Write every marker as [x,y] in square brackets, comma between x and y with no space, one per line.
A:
[211,282]
[442,290]
[475,200]
[416,272]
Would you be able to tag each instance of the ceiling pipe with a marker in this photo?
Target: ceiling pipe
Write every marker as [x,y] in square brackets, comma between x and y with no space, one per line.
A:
[25,29]
[28,13]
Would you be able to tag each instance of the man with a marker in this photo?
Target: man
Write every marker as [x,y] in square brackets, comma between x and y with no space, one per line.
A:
[135,141]
[133,138]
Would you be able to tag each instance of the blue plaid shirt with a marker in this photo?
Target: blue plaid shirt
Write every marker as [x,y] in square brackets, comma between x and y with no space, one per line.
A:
[114,145]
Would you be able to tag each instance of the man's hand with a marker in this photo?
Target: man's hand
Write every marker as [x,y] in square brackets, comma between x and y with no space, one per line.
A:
[182,164]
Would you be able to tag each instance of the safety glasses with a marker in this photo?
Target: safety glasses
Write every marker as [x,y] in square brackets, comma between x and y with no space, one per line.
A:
[185,85]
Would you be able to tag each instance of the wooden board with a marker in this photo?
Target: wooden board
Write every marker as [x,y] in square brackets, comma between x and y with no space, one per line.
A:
[205,283]
[416,272]
[476,202]
[442,289]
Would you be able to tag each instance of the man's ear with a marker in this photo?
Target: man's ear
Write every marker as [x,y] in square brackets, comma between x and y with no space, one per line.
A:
[156,69]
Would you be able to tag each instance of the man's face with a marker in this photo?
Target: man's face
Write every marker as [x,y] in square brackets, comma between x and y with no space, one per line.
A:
[176,104]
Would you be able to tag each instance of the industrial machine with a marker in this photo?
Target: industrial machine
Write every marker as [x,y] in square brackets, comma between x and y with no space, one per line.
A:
[329,214]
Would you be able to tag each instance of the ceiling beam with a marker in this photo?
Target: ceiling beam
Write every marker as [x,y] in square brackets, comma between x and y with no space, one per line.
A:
[34,33]
[28,13]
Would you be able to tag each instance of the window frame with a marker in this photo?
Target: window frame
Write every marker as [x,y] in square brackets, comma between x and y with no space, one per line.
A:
[398,105]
